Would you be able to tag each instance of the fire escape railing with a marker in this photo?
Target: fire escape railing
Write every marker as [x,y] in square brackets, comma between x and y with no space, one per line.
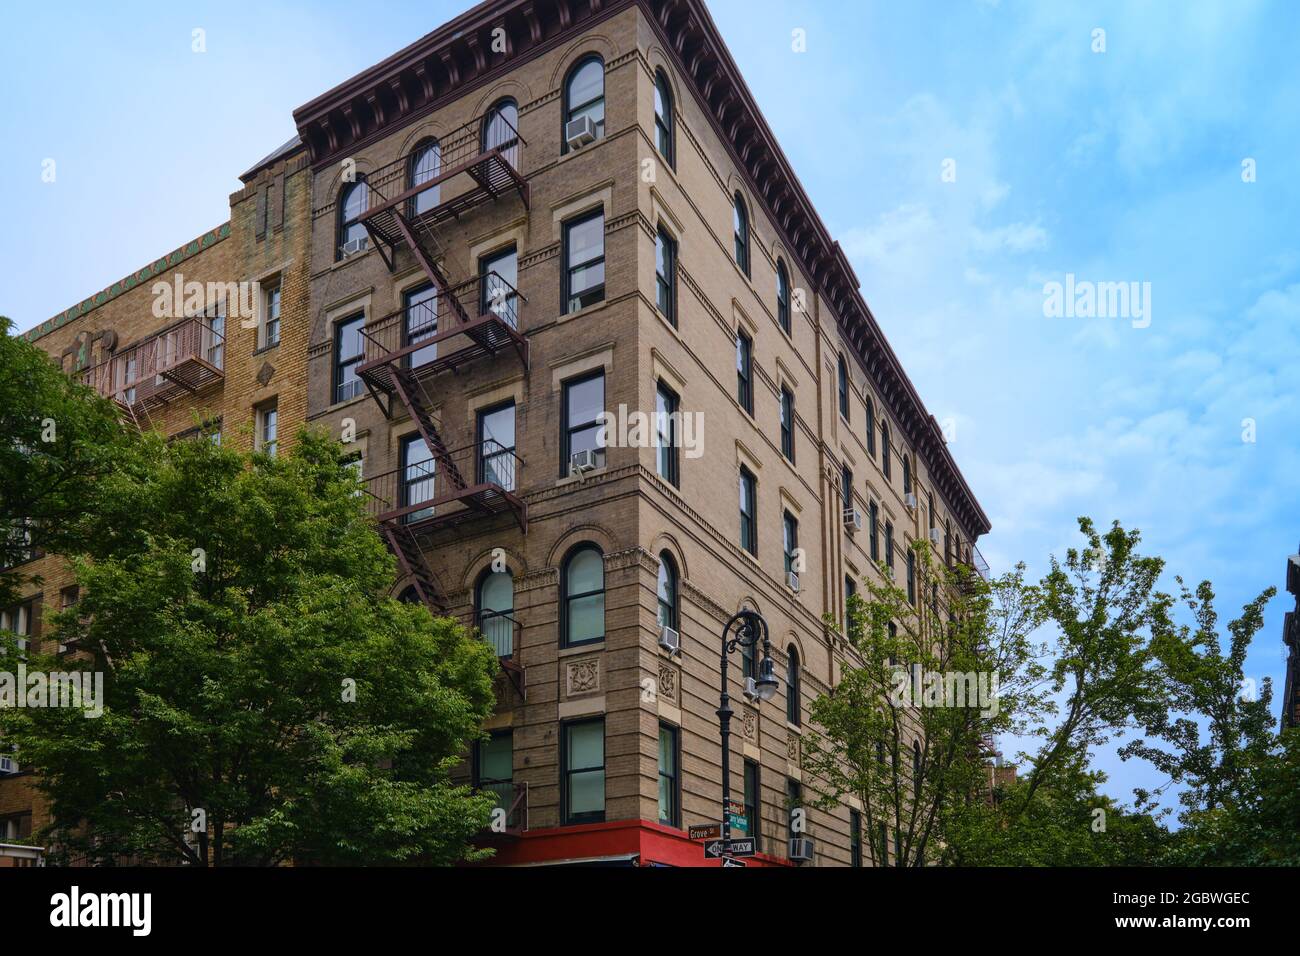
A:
[454,326]
[450,488]
[512,798]
[178,360]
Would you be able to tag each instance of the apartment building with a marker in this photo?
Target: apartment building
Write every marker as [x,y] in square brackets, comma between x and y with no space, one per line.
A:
[211,339]
[543,211]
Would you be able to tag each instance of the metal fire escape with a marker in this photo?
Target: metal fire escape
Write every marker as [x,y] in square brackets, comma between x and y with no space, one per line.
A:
[455,323]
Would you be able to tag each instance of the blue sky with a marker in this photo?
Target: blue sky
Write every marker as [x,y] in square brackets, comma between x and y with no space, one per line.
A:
[1124,165]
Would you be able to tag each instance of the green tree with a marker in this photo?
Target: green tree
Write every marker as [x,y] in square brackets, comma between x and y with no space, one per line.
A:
[904,731]
[1201,681]
[59,440]
[260,684]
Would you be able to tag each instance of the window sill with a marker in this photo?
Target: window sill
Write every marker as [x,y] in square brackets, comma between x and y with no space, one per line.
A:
[580,479]
[584,311]
[577,649]
[266,348]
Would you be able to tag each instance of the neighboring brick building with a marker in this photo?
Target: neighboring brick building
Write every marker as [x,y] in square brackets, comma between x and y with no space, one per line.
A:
[1291,639]
[204,362]
[479,286]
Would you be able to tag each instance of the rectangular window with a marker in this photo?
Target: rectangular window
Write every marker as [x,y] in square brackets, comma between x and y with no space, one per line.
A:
[584,262]
[752,791]
[794,801]
[666,276]
[17,621]
[889,545]
[787,423]
[666,455]
[669,780]
[789,539]
[496,446]
[268,429]
[349,352]
[217,337]
[884,846]
[498,280]
[418,478]
[745,372]
[584,400]
[875,531]
[583,771]
[420,322]
[850,589]
[911,577]
[270,315]
[748,512]
[855,838]
[494,767]
[846,489]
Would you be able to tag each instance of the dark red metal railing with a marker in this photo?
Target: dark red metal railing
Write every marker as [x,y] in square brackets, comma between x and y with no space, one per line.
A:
[180,359]
[424,496]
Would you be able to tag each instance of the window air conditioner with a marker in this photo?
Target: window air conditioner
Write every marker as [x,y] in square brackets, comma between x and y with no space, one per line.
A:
[801,850]
[578,133]
[353,246]
[852,519]
[8,765]
[582,461]
[934,536]
[909,499]
[670,640]
[792,579]
[751,690]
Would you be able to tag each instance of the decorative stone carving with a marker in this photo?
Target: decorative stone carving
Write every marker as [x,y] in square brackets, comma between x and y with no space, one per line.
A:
[750,725]
[792,749]
[668,682]
[583,676]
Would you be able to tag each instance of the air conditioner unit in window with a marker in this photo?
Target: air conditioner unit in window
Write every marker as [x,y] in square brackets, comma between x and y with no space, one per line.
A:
[670,640]
[353,246]
[852,519]
[792,579]
[909,499]
[801,850]
[8,765]
[578,133]
[751,690]
[934,536]
[583,461]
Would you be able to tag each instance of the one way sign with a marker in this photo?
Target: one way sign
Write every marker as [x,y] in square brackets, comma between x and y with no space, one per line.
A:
[713,849]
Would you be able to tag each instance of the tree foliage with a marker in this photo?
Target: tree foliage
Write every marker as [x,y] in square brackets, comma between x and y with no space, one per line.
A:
[258,678]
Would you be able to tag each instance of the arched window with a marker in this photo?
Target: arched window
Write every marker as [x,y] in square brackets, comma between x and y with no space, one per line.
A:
[409,595]
[665,132]
[884,449]
[843,379]
[907,475]
[871,429]
[783,295]
[740,228]
[501,130]
[582,582]
[353,200]
[426,164]
[668,608]
[793,710]
[494,601]
[584,95]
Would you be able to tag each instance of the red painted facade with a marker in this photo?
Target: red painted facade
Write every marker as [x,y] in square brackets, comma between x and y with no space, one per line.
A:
[620,842]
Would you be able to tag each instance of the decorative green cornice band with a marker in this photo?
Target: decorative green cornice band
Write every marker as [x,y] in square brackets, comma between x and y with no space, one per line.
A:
[169,261]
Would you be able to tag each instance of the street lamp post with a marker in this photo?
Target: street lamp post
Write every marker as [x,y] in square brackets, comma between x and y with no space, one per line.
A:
[749,626]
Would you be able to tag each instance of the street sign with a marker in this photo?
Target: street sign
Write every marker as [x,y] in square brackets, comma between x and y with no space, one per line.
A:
[731,862]
[705,831]
[742,847]
[713,849]
[739,821]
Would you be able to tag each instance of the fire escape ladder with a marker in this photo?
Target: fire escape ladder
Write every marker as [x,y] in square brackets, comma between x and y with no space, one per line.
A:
[401,541]
[408,392]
